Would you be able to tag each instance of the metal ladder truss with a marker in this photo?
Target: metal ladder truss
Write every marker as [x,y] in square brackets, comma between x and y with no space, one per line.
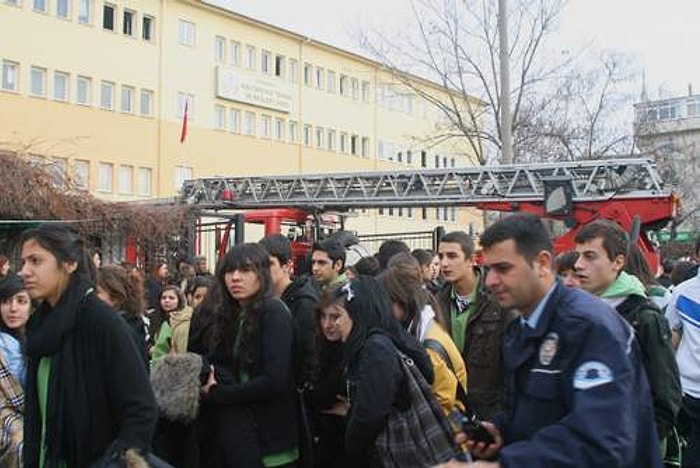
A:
[590,181]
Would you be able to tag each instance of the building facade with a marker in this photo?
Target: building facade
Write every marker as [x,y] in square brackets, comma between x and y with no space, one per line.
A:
[103,91]
[668,130]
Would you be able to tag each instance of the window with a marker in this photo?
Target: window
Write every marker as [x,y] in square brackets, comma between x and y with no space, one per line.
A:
[444,161]
[307,135]
[292,134]
[60,86]
[331,140]
[343,86]
[108,16]
[265,126]
[380,149]
[38,82]
[308,70]
[279,66]
[279,129]
[62,9]
[107,95]
[319,78]
[452,162]
[182,173]
[234,120]
[128,94]
[331,81]
[693,107]
[409,157]
[186,33]
[319,137]
[147,28]
[437,161]
[365,91]
[10,71]
[355,87]
[219,49]
[84,11]
[146,103]
[293,65]
[184,99]
[265,61]
[219,117]
[423,159]
[249,123]
[39,5]
[145,181]
[250,57]
[81,174]
[59,171]
[126,180]
[104,177]
[128,23]
[13,2]
[83,94]
[234,52]
[343,142]
[354,144]
[365,147]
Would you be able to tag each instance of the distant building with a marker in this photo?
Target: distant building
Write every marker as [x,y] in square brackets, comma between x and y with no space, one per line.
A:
[100,90]
[668,130]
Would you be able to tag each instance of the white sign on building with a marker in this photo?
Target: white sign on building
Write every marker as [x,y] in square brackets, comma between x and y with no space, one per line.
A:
[251,88]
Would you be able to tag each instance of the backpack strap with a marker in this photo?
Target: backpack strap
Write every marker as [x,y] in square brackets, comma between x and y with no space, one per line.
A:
[461,394]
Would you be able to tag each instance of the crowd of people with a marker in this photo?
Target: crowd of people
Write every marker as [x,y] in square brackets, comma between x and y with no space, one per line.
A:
[404,358]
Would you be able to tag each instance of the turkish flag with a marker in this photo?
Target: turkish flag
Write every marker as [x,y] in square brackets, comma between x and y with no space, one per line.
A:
[183,131]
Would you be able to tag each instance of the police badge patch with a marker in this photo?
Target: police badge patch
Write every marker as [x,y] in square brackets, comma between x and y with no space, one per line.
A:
[549,348]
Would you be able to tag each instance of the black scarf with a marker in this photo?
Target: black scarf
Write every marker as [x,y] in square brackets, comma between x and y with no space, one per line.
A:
[50,333]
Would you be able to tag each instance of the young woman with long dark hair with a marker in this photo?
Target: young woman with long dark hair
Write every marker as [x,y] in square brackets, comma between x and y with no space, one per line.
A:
[248,398]
[87,391]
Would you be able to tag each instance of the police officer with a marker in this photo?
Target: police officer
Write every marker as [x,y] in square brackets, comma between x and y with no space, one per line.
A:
[576,393]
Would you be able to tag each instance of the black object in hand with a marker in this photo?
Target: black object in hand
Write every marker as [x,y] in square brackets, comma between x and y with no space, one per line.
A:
[478,432]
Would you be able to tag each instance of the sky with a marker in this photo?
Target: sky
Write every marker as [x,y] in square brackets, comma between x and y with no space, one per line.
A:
[663,37]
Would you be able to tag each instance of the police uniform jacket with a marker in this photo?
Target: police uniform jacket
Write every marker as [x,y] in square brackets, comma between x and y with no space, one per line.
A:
[576,391]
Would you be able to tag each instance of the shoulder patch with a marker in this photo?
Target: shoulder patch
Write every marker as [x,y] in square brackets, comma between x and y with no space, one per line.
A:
[592,374]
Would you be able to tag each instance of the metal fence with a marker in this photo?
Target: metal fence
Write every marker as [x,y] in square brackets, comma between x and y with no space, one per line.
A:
[415,240]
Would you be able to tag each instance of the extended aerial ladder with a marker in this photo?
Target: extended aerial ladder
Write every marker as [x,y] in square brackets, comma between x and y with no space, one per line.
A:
[628,191]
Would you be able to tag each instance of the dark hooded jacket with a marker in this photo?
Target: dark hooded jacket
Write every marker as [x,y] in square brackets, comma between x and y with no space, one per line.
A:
[301,297]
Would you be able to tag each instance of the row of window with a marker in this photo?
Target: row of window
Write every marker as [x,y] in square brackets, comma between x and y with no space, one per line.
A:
[65,87]
[130,180]
[441,213]
[390,151]
[83,11]
[672,110]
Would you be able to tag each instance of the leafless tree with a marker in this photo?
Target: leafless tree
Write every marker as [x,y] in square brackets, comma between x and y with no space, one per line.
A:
[560,110]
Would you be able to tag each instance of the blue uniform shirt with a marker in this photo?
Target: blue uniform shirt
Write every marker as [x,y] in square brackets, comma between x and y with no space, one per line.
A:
[576,391]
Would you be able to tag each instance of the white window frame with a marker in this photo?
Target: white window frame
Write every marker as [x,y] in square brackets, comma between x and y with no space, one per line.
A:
[293,71]
[63,9]
[146,103]
[250,54]
[183,98]
[365,91]
[320,78]
[186,33]
[279,129]
[308,137]
[219,117]
[105,177]
[265,126]
[81,174]
[83,85]
[85,11]
[40,5]
[330,140]
[330,82]
[365,146]
[220,49]
[234,53]
[107,86]
[280,66]
[249,122]
[37,87]
[61,82]
[234,120]
[265,56]
[10,76]
[145,181]
[319,137]
[182,173]
[114,16]
[148,28]
[292,131]
[129,22]
[126,179]
[126,104]
[308,74]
